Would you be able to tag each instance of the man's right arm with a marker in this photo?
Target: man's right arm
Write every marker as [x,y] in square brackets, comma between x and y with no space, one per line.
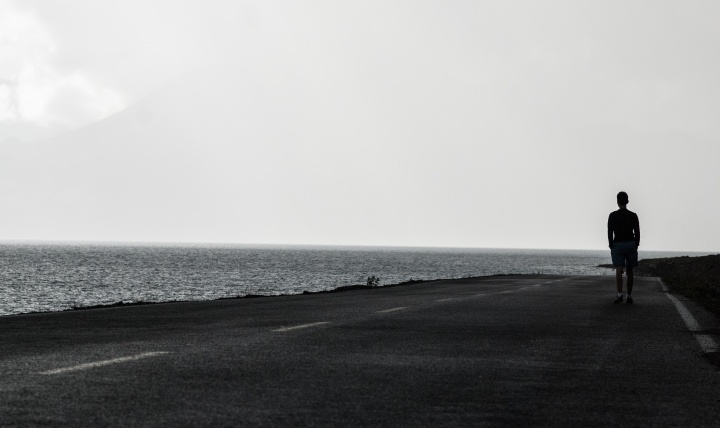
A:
[610,231]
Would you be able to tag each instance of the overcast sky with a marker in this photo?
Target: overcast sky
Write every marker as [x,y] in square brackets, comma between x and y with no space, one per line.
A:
[424,123]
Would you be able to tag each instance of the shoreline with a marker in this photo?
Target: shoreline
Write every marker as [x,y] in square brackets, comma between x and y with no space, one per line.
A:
[340,289]
[40,279]
[695,277]
[247,296]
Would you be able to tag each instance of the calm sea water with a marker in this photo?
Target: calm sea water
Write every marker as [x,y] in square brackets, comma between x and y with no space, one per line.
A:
[54,277]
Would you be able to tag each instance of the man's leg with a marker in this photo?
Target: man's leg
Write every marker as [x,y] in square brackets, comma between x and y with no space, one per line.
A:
[632,262]
[618,279]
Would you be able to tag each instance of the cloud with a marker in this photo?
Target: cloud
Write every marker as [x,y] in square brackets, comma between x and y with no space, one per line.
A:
[34,88]
[7,101]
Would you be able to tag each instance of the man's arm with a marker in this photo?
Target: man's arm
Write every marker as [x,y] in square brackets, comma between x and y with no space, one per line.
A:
[610,231]
[637,230]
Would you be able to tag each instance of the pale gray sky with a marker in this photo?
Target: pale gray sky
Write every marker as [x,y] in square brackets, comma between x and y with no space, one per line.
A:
[430,123]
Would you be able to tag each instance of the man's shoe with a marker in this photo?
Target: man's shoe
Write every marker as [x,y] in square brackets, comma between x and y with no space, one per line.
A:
[618,299]
[629,301]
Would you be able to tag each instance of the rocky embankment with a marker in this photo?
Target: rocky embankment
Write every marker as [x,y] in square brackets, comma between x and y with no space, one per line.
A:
[695,277]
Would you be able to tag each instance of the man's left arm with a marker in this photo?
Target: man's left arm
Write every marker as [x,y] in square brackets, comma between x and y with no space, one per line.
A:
[637,230]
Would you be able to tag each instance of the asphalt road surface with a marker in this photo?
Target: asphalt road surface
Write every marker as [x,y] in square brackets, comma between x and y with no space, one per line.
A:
[495,351]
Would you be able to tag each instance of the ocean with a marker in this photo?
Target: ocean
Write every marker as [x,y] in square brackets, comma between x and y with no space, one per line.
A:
[57,277]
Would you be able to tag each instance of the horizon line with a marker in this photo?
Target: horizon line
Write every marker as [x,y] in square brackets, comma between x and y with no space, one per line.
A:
[260,244]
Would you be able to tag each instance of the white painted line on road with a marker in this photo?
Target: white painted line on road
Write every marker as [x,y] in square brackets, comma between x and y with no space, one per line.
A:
[399,308]
[463,297]
[95,364]
[561,280]
[707,343]
[296,327]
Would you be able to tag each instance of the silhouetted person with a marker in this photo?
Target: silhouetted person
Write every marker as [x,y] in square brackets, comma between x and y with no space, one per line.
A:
[624,239]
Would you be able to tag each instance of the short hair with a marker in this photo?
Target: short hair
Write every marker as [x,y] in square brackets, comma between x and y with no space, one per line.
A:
[622,198]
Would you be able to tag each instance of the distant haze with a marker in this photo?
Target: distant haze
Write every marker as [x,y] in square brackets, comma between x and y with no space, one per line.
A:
[434,123]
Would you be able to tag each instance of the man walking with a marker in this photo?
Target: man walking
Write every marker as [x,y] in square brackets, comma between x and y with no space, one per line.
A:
[624,239]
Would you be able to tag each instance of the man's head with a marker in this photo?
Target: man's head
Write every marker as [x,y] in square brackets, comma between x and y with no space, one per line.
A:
[622,199]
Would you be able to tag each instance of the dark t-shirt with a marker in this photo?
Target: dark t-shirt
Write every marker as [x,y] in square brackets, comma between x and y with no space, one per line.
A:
[623,226]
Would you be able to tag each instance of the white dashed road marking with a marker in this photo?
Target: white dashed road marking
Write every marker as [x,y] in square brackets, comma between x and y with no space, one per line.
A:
[399,308]
[296,327]
[95,364]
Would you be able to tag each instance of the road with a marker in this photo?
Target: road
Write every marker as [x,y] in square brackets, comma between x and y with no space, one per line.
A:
[495,351]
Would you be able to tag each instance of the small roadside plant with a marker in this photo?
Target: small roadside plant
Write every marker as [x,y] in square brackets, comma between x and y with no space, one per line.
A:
[373,281]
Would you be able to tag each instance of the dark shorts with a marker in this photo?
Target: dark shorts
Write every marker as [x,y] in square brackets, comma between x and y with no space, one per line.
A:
[624,254]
